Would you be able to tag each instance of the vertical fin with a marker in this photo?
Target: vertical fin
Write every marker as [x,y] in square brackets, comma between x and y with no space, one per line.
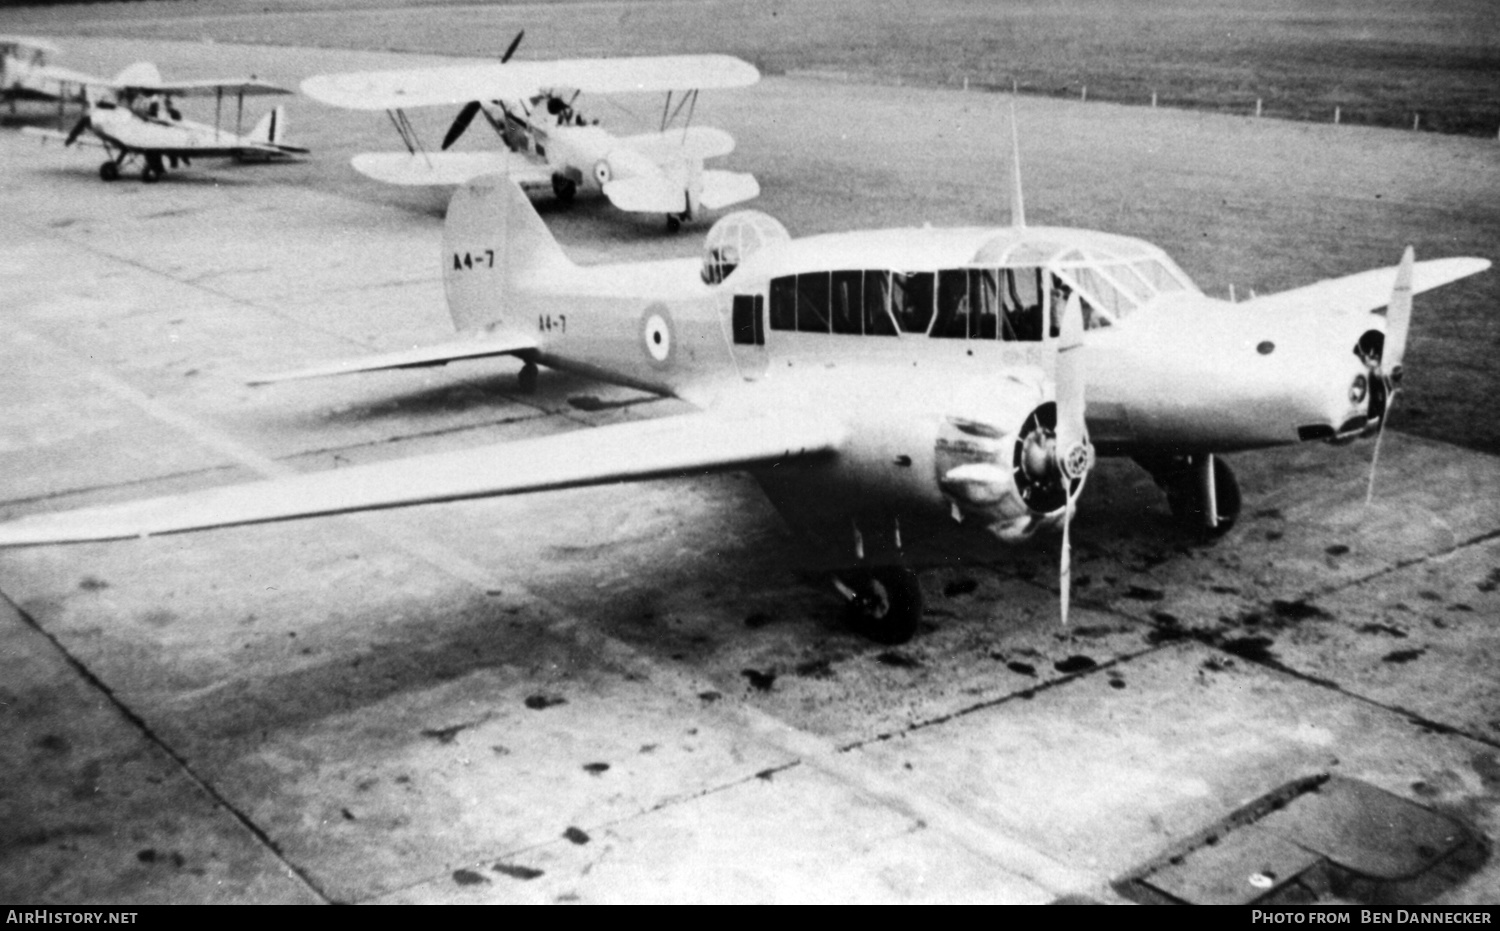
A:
[1017,202]
[493,242]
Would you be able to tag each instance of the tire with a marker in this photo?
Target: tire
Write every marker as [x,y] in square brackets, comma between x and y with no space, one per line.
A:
[151,174]
[888,608]
[674,223]
[526,378]
[1185,498]
[109,171]
[564,187]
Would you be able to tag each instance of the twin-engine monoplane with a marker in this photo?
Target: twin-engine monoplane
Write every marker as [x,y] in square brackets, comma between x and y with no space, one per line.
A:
[138,120]
[881,386]
[532,107]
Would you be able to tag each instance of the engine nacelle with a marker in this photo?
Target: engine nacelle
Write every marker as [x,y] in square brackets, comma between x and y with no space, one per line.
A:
[1011,482]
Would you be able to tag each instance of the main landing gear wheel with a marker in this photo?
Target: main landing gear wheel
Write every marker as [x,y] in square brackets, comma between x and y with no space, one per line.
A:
[1185,479]
[151,174]
[674,222]
[564,187]
[109,171]
[886,603]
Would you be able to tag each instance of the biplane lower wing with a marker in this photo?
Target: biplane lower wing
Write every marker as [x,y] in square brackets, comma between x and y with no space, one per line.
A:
[723,188]
[663,194]
[693,142]
[447,168]
[671,446]
[1366,291]
[421,356]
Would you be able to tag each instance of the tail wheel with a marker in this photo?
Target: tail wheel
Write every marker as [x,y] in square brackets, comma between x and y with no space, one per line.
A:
[887,604]
[109,171]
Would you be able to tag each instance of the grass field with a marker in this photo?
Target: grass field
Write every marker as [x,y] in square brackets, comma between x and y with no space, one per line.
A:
[1382,62]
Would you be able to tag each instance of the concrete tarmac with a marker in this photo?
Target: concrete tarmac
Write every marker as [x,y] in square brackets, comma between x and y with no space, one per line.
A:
[638,693]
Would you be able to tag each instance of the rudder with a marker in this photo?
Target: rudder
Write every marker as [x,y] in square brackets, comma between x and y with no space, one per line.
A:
[494,245]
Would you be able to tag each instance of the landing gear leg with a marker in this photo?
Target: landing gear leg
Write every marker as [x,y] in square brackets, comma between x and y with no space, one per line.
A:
[154,169]
[1201,490]
[885,603]
[526,378]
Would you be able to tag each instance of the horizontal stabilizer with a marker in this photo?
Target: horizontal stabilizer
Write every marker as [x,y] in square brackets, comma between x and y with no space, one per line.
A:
[647,194]
[695,142]
[1366,291]
[722,188]
[671,446]
[441,168]
[440,354]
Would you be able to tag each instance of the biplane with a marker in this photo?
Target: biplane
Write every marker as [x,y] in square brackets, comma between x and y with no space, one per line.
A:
[138,120]
[881,386]
[26,74]
[532,107]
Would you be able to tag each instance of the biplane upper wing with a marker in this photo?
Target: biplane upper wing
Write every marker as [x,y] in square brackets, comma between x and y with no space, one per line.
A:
[1366,291]
[457,84]
[670,446]
[227,87]
[421,356]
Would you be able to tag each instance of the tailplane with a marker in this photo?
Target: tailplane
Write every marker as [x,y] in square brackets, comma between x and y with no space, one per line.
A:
[494,247]
[271,128]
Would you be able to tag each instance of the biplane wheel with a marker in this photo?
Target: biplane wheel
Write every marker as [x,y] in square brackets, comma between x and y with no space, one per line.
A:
[1179,477]
[526,378]
[564,187]
[109,171]
[887,603]
[674,222]
[151,174]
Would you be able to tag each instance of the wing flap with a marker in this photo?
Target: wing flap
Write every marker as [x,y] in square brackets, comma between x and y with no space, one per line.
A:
[1367,291]
[458,84]
[671,446]
[442,168]
[439,354]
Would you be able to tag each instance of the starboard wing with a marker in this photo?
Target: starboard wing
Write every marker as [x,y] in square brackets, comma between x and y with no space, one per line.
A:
[458,84]
[439,354]
[1366,291]
[723,188]
[695,142]
[671,446]
[227,87]
[441,168]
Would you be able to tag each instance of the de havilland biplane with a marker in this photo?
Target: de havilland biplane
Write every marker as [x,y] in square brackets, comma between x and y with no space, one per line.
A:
[137,119]
[879,385]
[548,143]
[26,74]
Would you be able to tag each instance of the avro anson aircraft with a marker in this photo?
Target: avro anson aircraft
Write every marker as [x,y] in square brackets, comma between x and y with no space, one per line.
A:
[548,142]
[141,122]
[879,385]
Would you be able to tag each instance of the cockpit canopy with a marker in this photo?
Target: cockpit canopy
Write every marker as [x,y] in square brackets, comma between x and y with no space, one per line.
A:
[735,238]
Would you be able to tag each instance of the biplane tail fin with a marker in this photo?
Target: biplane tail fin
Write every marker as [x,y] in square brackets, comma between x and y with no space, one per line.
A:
[271,128]
[495,246]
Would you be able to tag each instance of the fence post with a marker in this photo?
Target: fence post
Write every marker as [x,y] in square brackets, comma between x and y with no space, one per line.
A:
[1257,107]
[1084,95]
[1416,120]
[1335,116]
[1153,101]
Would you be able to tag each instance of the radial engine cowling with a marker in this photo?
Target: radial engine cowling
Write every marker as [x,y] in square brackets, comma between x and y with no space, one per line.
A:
[1012,483]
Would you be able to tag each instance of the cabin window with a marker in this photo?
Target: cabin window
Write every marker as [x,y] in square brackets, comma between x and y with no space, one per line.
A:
[784,303]
[1105,296]
[745,319]
[911,301]
[878,319]
[848,303]
[952,305]
[812,303]
[1158,275]
[1021,303]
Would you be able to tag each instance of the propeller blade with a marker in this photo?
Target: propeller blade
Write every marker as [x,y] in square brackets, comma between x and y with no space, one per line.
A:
[461,123]
[1069,376]
[1398,318]
[77,131]
[514,44]
[1065,566]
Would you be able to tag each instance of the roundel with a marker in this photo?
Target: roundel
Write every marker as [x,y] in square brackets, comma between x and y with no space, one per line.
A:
[658,335]
[602,174]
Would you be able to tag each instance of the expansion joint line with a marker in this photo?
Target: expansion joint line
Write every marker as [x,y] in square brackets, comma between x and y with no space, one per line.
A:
[140,724]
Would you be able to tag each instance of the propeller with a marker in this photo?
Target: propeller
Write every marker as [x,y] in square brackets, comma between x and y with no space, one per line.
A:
[1074,454]
[472,108]
[1388,370]
[78,128]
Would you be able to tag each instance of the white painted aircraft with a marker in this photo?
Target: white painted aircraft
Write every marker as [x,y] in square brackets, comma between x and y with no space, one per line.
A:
[141,122]
[25,73]
[548,143]
[879,385]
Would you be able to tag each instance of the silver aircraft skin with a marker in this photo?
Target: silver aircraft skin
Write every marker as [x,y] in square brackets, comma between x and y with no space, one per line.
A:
[879,385]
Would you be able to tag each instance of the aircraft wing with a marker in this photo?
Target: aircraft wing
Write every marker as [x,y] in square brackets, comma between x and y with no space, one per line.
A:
[696,142]
[671,446]
[439,354]
[722,188]
[228,87]
[1367,291]
[457,84]
[647,194]
[448,167]
[53,135]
